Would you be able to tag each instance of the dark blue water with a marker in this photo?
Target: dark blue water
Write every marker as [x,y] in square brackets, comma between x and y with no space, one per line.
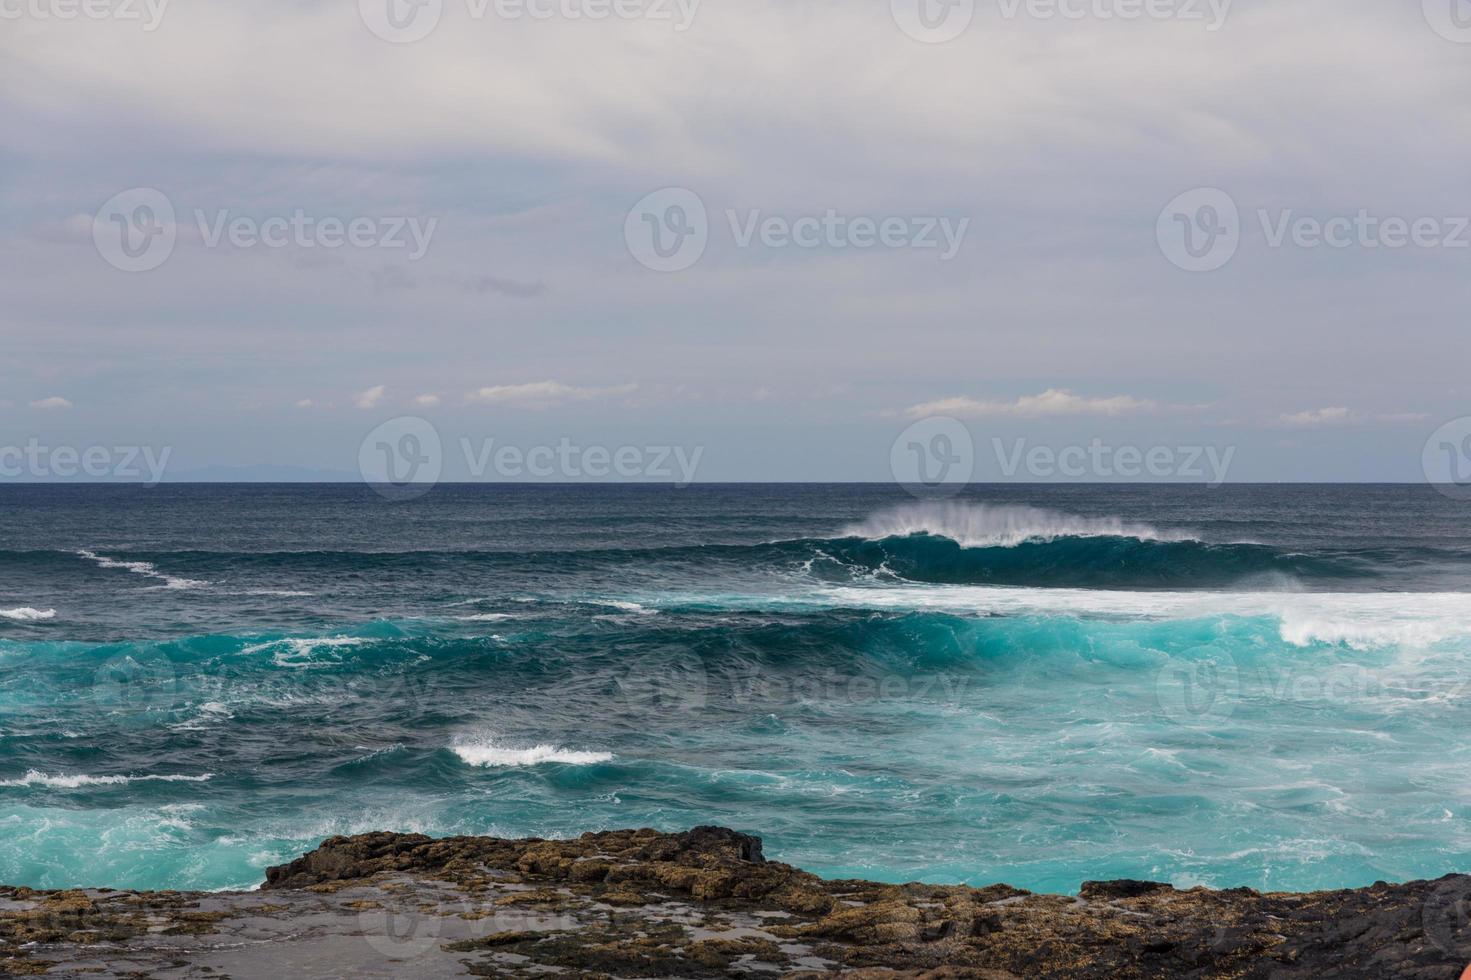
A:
[1246,685]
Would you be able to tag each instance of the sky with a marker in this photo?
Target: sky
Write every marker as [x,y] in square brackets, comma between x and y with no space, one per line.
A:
[791,240]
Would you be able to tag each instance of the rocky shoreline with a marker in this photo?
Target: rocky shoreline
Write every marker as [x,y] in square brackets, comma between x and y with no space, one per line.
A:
[706,903]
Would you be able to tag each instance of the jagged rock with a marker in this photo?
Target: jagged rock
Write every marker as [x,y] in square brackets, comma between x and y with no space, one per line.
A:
[707,903]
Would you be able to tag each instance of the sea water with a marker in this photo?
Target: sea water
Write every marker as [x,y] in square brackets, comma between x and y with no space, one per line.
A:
[1261,686]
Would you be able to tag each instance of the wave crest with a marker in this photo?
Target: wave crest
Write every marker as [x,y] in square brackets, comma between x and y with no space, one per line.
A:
[34,777]
[998,525]
[482,751]
[26,614]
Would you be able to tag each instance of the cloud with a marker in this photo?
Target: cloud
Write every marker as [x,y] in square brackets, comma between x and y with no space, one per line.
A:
[427,401]
[1339,414]
[371,397]
[305,403]
[544,394]
[52,402]
[1052,403]
[1318,416]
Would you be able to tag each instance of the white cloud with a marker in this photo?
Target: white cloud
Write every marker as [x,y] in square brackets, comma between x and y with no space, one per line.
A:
[52,402]
[427,401]
[544,394]
[1332,415]
[305,403]
[371,397]
[1051,403]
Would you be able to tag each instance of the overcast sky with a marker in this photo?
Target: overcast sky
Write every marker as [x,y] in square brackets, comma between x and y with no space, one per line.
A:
[777,231]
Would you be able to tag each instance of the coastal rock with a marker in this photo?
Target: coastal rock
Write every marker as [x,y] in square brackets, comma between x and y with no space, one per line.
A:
[707,903]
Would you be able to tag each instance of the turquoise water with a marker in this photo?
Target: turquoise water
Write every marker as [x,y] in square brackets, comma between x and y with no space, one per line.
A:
[1244,686]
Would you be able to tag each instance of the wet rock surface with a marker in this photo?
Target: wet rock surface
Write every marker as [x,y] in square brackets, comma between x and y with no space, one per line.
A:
[706,903]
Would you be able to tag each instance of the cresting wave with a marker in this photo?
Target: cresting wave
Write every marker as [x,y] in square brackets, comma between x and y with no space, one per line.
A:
[35,778]
[26,614]
[998,526]
[486,751]
[143,568]
[975,544]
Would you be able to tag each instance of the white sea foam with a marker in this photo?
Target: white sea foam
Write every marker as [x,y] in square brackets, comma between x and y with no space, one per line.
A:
[144,568]
[997,525]
[35,778]
[297,651]
[624,605]
[26,614]
[486,618]
[1359,620]
[485,751]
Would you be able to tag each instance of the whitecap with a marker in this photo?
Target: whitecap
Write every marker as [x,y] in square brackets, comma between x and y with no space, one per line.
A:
[486,618]
[27,614]
[36,778]
[482,751]
[997,525]
[624,605]
[298,651]
[144,568]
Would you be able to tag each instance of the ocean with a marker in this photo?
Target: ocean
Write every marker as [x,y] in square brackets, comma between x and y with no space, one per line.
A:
[1248,685]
